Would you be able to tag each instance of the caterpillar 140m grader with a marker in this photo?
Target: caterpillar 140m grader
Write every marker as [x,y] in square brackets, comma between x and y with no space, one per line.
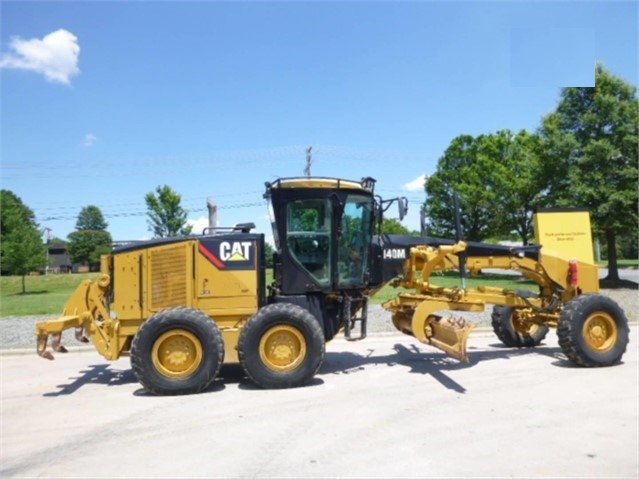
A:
[180,307]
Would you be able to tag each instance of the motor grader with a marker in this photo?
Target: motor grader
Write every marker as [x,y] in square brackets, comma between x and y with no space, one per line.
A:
[181,307]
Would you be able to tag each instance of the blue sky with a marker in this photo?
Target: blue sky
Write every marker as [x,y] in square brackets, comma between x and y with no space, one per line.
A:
[101,102]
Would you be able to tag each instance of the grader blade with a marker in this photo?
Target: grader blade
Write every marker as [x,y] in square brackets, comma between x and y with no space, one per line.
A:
[449,335]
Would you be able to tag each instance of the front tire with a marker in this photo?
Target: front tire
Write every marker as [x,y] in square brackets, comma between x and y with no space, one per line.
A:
[514,334]
[593,331]
[177,351]
[281,346]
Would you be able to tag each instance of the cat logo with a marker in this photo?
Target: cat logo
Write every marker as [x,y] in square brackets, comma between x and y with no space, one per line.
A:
[235,251]
[229,254]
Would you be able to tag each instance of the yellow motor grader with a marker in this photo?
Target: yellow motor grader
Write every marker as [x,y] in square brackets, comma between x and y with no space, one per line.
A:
[180,307]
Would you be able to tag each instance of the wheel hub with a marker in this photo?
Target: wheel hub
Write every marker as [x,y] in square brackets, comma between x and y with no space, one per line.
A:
[600,332]
[177,353]
[282,348]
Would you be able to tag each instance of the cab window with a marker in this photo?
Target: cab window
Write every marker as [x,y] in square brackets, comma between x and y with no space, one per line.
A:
[354,240]
[308,236]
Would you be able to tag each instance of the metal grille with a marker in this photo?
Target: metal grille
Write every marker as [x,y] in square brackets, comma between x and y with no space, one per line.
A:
[168,277]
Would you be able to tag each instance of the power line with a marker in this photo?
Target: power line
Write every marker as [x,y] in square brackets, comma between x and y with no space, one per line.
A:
[129,214]
[105,206]
[53,168]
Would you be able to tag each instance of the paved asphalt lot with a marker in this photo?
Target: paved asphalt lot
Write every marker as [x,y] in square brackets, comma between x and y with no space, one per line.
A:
[383,407]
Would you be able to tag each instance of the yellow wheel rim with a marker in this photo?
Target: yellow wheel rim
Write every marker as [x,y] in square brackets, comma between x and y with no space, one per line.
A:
[600,332]
[282,348]
[177,353]
[523,327]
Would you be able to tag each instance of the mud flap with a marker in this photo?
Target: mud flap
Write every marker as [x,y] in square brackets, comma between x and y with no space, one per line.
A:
[449,335]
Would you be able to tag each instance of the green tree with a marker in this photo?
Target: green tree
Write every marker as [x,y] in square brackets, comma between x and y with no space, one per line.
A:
[9,202]
[629,245]
[392,226]
[468,169]
[166,217]
[268,254]
[519,181]
[22,247]
[590,144]
[90,240]
[90,218]
[304,217]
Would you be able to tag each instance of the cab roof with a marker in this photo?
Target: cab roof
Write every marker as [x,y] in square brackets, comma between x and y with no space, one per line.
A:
[366,184]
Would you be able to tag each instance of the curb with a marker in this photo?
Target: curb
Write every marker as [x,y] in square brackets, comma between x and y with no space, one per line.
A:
[32,351]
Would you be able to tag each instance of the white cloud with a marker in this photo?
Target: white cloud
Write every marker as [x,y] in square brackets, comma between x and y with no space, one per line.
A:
[89,140]
[199,224]
[416,185]
[55,56]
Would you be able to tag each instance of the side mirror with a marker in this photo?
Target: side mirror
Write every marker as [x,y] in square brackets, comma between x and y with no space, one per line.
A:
[402,204]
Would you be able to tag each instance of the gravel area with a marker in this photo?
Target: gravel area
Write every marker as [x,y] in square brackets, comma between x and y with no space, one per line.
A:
[19,332]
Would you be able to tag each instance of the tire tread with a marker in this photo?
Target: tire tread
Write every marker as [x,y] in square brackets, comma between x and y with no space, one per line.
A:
[141,361]
[248,346]
[569,330]
[501,323]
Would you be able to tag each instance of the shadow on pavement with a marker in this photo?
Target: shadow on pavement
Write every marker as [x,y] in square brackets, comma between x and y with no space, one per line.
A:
[95,374]
[434,364]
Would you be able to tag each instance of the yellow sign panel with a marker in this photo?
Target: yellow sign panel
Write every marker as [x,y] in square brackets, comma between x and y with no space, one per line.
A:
[567,232]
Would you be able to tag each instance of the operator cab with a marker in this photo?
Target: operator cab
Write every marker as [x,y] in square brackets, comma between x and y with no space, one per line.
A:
[322,229]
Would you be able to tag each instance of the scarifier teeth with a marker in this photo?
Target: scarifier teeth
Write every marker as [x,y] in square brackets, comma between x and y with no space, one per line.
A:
[56,340]
[41,347]
[47,355]
[79,335]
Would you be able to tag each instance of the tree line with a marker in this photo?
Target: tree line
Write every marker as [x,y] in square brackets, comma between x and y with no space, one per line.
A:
[22,249]
[583,155]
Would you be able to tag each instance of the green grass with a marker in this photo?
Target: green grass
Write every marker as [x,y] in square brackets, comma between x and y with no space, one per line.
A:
[622,263]
[44,294]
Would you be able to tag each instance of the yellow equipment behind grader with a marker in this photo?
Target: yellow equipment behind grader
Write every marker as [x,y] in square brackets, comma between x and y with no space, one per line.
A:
[180,307]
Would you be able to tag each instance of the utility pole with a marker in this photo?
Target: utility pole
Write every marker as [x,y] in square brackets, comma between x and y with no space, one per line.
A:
[309,162]
[47,232]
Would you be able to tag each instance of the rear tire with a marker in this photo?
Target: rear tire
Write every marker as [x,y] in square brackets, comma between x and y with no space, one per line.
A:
[512,333]
[177,351]
[593,331]
[281,346]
